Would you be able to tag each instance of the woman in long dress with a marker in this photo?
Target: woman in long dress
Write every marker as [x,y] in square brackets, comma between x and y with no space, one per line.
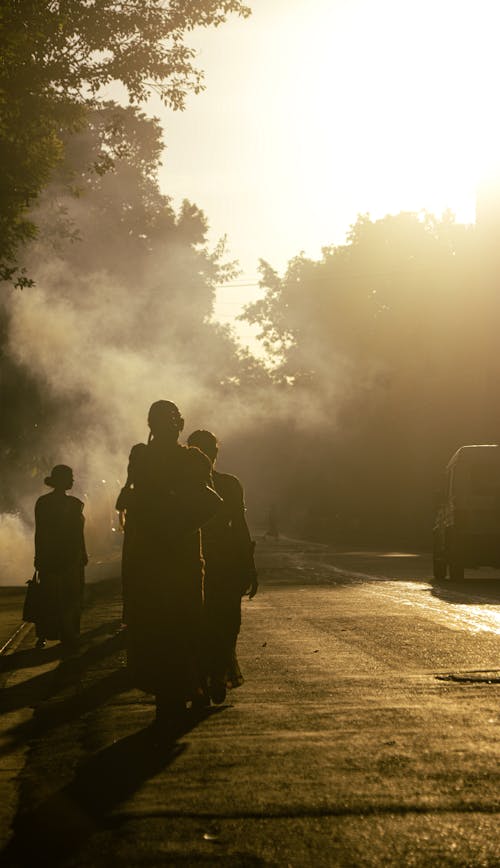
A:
[60,559]
[165,500]
[229,573]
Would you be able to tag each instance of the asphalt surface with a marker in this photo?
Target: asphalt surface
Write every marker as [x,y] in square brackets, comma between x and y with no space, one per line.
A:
[11,607]
[366,732]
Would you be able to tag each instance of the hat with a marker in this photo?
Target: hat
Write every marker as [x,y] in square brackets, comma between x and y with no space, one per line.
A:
[59,475]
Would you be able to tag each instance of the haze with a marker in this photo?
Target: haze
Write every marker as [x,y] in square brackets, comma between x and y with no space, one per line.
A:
[378,352]
[317,111]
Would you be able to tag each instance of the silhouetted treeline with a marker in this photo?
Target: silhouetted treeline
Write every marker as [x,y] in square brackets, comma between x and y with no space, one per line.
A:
[54,71]
[388,345]
[382,353]
[120,313]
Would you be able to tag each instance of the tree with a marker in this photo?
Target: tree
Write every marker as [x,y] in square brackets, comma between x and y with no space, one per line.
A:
[56,58]
[120,314]
[387,344]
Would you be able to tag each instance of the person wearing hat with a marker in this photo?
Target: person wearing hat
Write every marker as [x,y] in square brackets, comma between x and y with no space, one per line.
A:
[229,573]
[165,501]
[60,560]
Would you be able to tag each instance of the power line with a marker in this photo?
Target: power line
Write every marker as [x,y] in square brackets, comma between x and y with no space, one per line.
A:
[230,303]
[342,278]
[236,285]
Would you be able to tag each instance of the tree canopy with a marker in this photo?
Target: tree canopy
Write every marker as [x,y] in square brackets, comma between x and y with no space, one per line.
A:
[121,310]
[387,345]
[57,56]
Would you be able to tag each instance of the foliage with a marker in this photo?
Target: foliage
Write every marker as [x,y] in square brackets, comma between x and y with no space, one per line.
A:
[57,56]
[388,341]
[121,312]
[358,297]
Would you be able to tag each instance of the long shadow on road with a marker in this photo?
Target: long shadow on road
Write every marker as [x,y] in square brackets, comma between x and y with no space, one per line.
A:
[30,657]
[59,827]
[34,690]
[58,696]
[63,824]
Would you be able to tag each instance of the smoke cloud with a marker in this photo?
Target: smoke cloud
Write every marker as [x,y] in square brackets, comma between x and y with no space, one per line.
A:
[121,317]
[16,550]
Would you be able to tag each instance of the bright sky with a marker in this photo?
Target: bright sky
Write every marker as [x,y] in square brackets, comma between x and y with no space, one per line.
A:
[317,110]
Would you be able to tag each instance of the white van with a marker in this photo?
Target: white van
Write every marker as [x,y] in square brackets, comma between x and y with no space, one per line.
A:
[467,528]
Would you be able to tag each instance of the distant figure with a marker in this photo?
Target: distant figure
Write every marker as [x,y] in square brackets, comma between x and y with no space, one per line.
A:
[165,500]
[272,523]
[60,558]
[229,573]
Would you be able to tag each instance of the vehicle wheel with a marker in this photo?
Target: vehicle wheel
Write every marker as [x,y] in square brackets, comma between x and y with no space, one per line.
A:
[456,571]
[439,569]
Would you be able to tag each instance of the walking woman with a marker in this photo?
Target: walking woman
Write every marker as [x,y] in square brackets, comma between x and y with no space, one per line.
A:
[60,559]
[229,573]
[165,500]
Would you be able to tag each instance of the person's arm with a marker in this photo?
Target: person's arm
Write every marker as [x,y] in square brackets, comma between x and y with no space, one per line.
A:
[200,468]
[82,538]
[39,536]
[243,541]
[196,502]
[252,588]
[124,499]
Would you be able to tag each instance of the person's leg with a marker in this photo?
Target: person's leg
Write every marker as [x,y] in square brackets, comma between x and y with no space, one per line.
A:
[170,711]
[70,631]
[234,676]
[217,658]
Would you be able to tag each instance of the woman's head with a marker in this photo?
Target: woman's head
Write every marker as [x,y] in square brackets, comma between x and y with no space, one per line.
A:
[165,420]
[61,478]
[206,442]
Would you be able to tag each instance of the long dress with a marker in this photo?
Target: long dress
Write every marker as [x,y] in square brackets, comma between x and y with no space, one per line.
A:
[162,568]
[60,558]
[229,569]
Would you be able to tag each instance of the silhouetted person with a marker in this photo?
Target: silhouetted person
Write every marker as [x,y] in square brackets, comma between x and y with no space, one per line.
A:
[60,558]
[229,573]
[165,500]
[272,523]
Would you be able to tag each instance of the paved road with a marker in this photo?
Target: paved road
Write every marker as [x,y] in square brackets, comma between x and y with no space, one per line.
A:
[406,578]
[11,607]
[366,732]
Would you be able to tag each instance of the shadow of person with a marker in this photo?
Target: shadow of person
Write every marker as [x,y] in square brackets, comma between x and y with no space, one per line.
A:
[28,658]
[57,712]
[60,826]
[43,686]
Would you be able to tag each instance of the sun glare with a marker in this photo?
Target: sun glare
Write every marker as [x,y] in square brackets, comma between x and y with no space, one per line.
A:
[401,95]
[335,108]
